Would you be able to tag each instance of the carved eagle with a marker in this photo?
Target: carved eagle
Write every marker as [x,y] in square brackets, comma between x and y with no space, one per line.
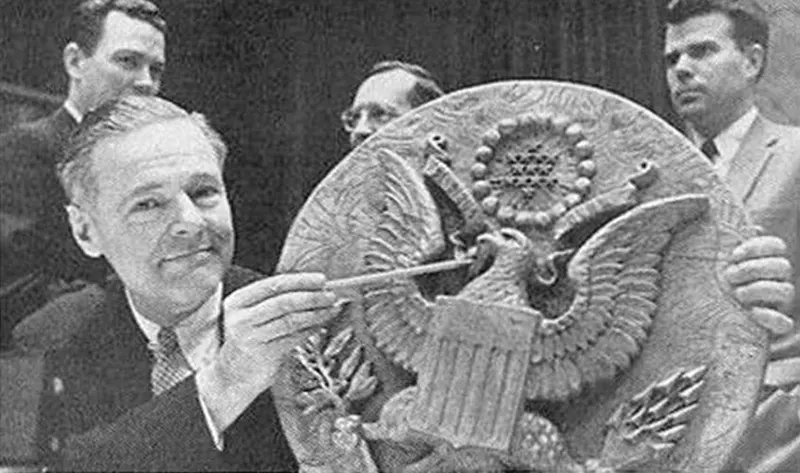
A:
[613,279]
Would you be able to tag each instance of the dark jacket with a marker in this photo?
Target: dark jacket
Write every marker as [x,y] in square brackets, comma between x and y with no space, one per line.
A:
[40,250]
[98,412]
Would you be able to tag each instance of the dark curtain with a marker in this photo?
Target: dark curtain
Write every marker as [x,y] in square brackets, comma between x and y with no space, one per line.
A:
[273,76]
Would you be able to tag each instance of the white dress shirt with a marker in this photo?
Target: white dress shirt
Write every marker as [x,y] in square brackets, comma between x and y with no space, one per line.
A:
[199,339]
[728,141]
[73,111]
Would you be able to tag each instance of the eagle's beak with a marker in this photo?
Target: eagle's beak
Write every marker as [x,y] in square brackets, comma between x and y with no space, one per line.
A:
[483,253]
[488,238]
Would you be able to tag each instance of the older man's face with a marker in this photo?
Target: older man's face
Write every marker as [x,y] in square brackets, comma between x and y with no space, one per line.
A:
[707,73]
[379,99]
[161,216]
[129,59]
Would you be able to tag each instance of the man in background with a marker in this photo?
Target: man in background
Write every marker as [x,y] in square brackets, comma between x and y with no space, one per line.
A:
[716,51]
[115,47]
[391,89]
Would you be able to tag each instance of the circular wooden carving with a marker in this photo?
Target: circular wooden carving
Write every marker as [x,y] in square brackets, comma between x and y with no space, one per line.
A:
[525,155]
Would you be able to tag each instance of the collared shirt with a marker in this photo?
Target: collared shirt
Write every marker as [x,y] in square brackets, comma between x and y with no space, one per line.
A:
[728,141]
[73,111]
[199,339]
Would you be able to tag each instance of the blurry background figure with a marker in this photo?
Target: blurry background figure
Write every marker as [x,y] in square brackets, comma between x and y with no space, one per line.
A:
[114,48]
[391,89]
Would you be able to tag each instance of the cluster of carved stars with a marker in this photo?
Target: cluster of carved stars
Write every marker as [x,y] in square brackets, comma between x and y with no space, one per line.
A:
[532,169]
[529,172]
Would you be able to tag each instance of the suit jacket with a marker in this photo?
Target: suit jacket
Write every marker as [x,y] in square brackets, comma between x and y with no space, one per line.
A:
[98,412]
[41,249]
[765,176]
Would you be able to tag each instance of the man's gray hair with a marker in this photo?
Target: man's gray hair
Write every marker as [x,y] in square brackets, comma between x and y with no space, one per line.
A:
[114,119]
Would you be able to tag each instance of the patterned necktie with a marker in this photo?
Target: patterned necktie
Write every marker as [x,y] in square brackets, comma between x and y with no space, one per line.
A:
[171,366]
[710,150]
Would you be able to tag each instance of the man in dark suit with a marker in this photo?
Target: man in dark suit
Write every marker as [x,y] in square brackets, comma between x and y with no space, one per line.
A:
[169,366]
[391,89]
[115,47]
[716,51]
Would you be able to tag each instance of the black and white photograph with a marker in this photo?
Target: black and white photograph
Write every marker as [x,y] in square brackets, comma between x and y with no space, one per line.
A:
[400,236]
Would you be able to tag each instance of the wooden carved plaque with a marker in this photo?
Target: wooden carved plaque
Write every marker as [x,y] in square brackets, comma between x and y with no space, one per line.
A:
[591,329]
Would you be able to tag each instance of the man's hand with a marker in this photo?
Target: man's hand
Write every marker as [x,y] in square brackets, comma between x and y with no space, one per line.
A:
[760,276]
[263,321]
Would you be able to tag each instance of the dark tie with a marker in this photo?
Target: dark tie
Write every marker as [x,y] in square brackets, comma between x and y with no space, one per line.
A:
[710,150]
[171,366]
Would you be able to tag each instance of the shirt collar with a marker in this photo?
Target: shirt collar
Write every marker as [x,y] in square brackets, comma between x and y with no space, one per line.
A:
[73,111]
[198,334]
[730,139]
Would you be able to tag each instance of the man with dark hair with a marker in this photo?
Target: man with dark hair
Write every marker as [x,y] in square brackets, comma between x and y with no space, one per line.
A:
[716,51]
[391,89]
[115,47]
[167,366]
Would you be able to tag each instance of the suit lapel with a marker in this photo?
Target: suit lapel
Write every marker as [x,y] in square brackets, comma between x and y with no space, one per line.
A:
[751,159]
[118,344]
[115,377]
[119,348]
[122,358]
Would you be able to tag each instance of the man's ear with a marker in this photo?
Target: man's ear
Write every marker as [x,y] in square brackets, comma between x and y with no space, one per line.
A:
[756,60]
[84,231]
[73,58]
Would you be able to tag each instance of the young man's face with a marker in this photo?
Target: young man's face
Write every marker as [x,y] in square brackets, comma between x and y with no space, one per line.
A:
[128,59]
[379,99]
[707,73]
[160,216]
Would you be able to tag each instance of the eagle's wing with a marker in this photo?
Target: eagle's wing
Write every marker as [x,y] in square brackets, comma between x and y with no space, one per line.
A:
[408,233]
[616,279]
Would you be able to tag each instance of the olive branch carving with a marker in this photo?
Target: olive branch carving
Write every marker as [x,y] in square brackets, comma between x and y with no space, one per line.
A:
[340,377]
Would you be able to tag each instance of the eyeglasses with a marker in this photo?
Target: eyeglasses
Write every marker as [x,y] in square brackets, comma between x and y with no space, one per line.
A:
[376,114]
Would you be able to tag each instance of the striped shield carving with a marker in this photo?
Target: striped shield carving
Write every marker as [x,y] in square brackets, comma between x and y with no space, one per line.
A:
[471,382]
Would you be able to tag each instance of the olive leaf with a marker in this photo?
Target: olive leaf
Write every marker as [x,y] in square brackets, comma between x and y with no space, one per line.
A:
[351,363]
[314,341]
[304,399]
[362,384]
[338,343]
[363,390]
[305,361]
[301,350]
[315,400]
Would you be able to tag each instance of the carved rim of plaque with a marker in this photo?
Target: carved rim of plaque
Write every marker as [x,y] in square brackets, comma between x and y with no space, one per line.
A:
[588,332]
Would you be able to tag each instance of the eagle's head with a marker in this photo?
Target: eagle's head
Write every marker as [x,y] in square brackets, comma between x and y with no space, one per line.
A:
[511,251]
[507,250]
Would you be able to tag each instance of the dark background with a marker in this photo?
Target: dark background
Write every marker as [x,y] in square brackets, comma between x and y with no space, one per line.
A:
[273,76]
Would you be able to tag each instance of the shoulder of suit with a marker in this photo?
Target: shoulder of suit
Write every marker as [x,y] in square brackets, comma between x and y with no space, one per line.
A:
[35,137]
[785,141]
[69,317]
[781,130]
[25,132]
[64,319]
